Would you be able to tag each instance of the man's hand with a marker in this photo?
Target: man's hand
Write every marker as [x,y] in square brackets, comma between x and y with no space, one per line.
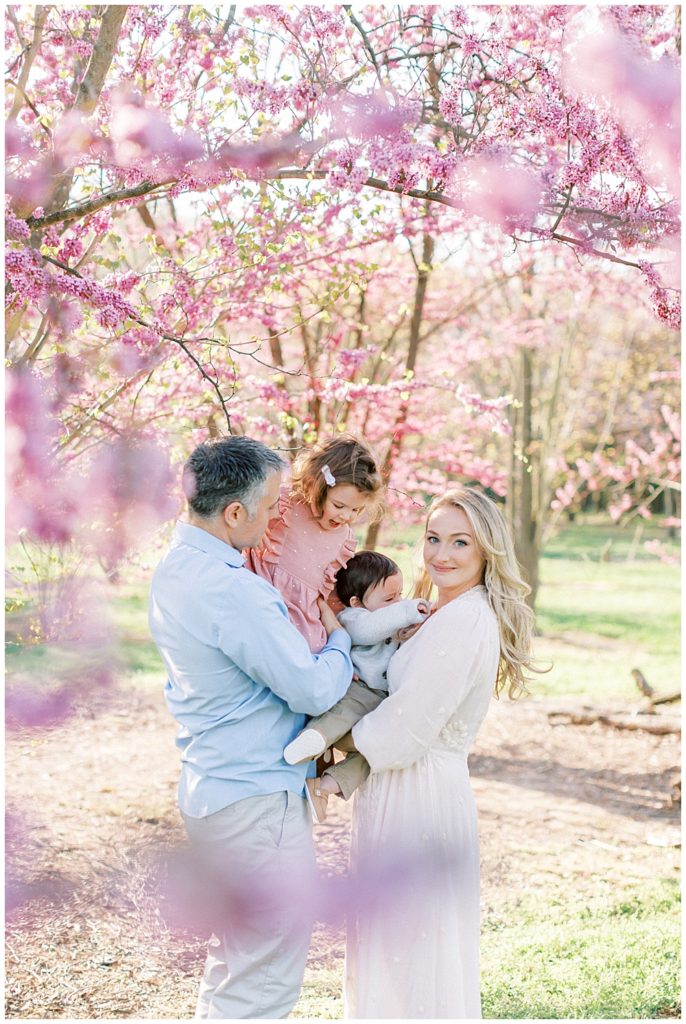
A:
[329,620]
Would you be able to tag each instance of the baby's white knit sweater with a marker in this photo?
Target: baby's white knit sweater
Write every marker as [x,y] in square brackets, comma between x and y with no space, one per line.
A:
[374,639]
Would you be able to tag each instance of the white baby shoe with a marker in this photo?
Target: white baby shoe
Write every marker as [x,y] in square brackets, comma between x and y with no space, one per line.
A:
[306,745]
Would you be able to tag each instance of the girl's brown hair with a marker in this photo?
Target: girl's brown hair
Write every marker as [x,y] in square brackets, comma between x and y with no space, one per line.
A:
[348,461]
[503,581]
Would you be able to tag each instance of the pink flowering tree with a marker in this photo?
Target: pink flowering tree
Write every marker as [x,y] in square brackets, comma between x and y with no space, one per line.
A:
[443,227]
[251,219]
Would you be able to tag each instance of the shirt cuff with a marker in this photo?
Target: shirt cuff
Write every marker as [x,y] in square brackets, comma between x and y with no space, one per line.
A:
[340,640]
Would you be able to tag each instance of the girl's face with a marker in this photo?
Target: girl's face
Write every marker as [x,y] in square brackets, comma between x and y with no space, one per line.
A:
[452,557]
[344,504]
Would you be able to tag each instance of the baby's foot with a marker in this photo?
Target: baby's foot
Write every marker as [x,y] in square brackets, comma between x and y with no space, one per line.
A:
[328,785]
[318,799]
[306,745]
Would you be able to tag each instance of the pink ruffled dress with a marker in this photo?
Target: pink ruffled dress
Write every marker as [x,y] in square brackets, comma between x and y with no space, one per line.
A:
[301,560]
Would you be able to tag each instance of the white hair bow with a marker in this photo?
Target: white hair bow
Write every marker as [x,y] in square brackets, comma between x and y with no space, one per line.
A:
[328,476]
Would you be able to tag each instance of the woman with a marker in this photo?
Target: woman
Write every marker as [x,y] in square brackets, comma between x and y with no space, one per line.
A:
[416,954]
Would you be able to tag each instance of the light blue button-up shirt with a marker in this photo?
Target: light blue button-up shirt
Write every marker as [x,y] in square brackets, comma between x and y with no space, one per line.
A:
[241,677]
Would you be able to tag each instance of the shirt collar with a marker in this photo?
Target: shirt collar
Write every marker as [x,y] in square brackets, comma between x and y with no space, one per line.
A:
[198,538]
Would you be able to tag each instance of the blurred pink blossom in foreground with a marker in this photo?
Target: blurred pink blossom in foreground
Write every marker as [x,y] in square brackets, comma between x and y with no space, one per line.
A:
[143,136]
[501,192]
[602,63]
[102,506]
[380,114]
[19,844]
[111,502]
[199,894]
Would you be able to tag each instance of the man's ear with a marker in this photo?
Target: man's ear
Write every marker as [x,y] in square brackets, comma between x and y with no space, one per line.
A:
[233,514]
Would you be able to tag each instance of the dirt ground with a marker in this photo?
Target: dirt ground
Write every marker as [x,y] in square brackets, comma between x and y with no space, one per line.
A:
[559,806]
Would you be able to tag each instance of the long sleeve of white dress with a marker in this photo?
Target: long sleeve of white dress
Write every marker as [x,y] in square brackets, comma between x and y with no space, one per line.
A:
[455,651]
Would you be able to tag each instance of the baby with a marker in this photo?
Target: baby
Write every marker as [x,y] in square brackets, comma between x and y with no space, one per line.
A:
[370,586]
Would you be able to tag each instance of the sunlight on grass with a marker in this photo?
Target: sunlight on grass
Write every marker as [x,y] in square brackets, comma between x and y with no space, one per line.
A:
[600,958]
[599,621]
[605,606]
[321,996]
[556,956]
[606,959]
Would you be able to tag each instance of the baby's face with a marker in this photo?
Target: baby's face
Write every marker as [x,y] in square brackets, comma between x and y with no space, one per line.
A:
[382,594]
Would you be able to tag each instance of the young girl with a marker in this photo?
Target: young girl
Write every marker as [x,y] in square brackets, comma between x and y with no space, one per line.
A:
[303,549]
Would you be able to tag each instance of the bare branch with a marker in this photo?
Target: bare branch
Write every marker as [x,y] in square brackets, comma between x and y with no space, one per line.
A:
[365,38]
[564,209]
[90,206]
[583,245]
[20,93]
[183,345]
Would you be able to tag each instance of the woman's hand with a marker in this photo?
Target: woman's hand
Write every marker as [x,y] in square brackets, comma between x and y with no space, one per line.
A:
[407,631]
[329,620]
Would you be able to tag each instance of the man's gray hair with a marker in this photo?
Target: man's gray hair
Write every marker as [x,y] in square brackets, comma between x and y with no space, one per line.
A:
[226,470]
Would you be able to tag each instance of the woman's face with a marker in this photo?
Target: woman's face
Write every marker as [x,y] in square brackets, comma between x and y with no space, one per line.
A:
[452,557]
[343,504]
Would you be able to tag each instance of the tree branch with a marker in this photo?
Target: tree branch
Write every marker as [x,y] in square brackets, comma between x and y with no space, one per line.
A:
[365,39]
[90,206]
[20,93]
[101,58]
[212,381]
[90,88]
[565,207]
[377,183]
[583,245]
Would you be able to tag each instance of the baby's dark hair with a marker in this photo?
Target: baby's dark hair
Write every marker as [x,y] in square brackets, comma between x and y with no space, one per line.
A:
[364,570]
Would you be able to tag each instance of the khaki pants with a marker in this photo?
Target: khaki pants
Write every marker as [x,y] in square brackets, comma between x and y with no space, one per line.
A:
[262,850]
[337,722]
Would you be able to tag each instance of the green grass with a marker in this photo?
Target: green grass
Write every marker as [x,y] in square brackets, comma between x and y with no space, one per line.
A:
[595,538]
[614,956]
[605,606]
[603,959]
[136,648]
[600,620]
[321,996]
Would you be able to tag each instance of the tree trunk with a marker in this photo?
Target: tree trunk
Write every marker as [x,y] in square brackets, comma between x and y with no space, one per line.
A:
[29,57]
[393,450]
[90,88]
[525,511]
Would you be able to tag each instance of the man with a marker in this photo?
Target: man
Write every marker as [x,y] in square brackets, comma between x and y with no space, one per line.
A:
[241,681]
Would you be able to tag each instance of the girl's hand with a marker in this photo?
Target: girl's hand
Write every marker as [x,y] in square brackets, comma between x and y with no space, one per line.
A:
[329,620]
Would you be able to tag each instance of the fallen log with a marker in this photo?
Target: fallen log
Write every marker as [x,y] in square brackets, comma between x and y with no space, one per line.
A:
[648,691]
[659,724]
[666,698]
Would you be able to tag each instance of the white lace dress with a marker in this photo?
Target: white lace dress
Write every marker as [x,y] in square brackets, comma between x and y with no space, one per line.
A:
[413,945]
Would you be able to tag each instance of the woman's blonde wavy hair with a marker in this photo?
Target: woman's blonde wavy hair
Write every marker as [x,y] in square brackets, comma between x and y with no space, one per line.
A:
[503,581]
